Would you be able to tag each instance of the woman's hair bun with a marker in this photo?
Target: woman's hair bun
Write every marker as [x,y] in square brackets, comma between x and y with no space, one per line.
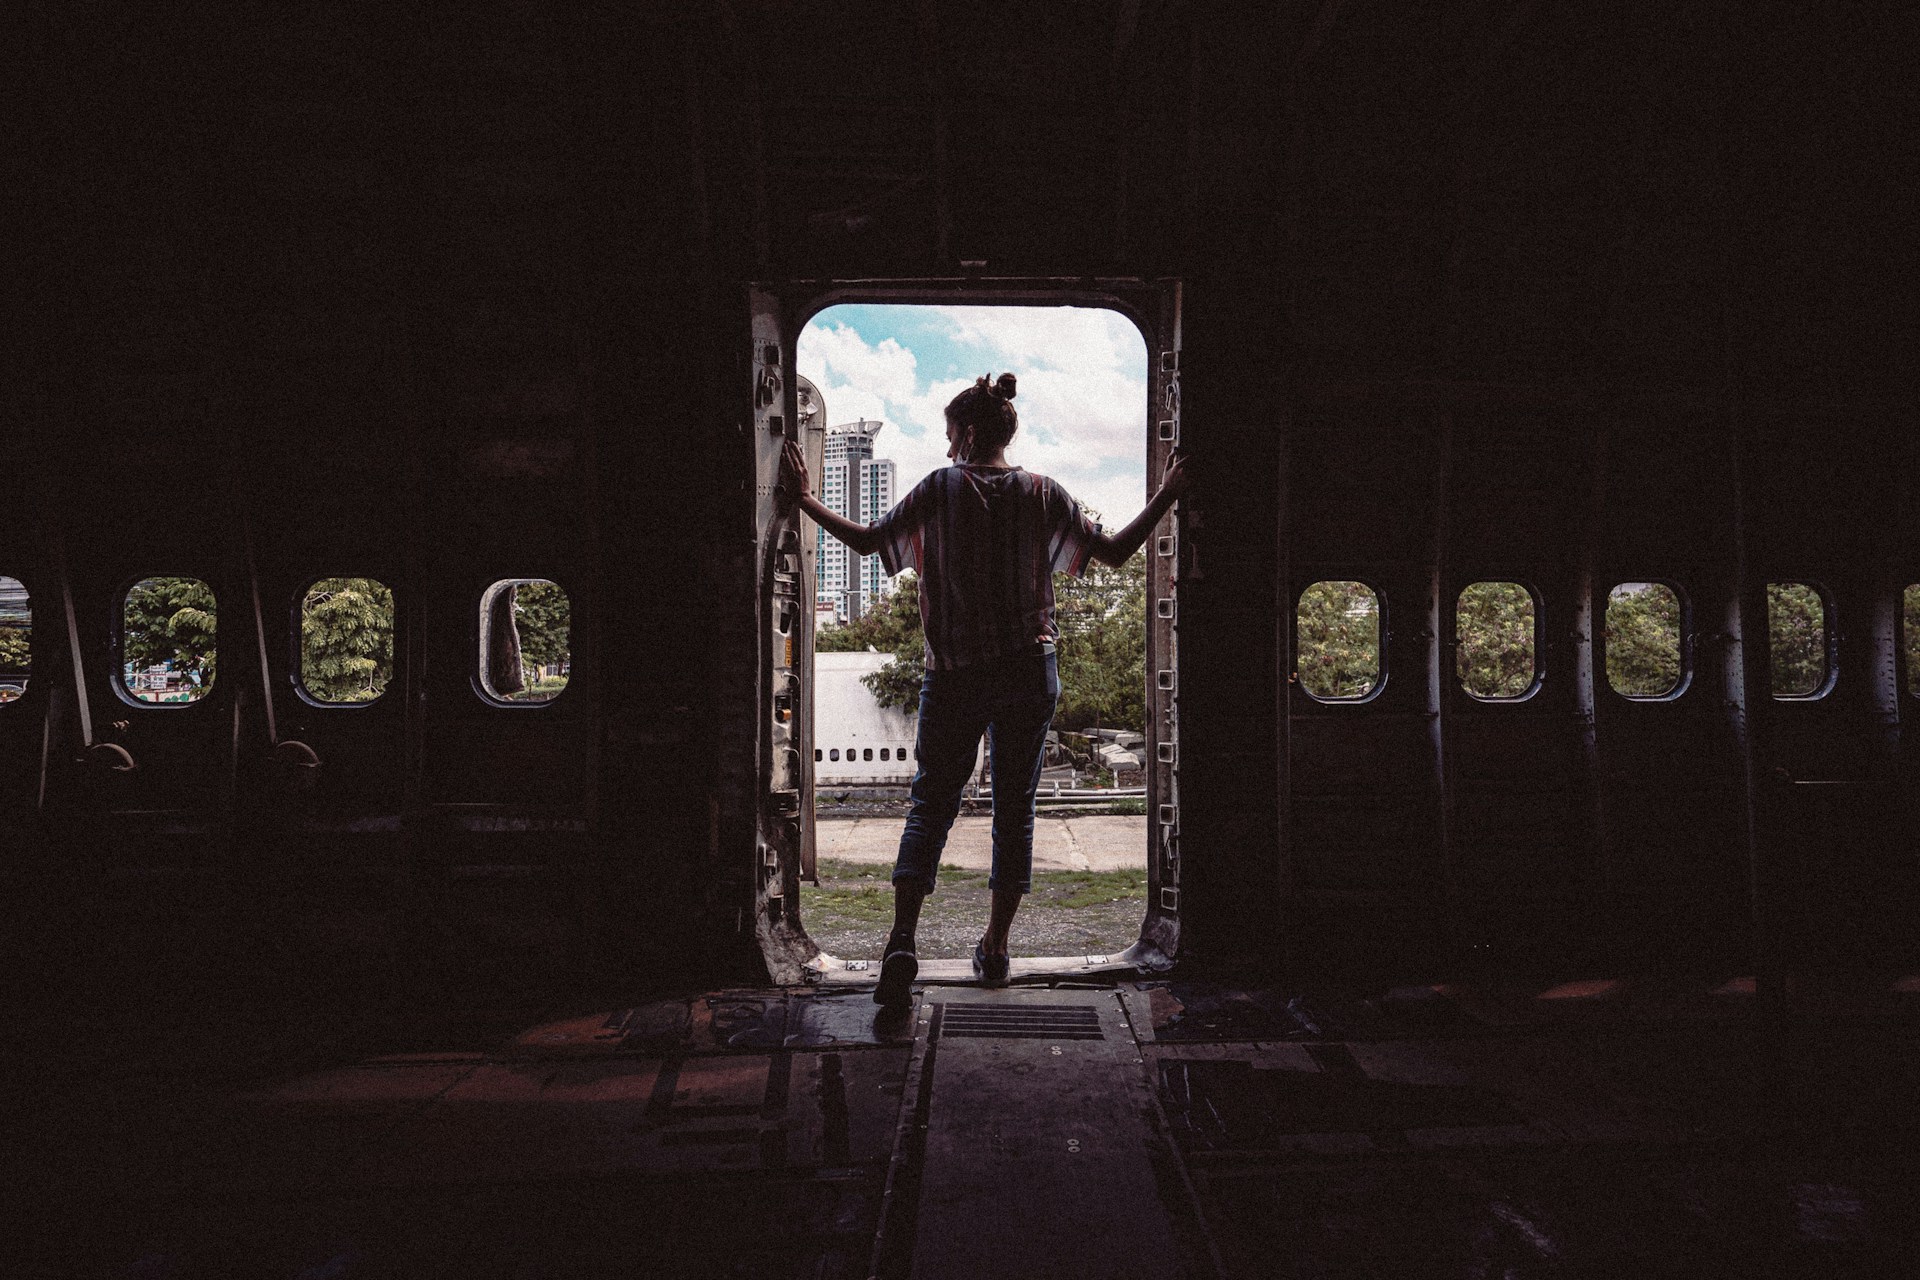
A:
[986,411]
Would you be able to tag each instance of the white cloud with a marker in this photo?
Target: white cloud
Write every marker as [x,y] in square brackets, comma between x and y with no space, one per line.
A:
[1065,338]
[1082,397]
[887,370]
[845,402]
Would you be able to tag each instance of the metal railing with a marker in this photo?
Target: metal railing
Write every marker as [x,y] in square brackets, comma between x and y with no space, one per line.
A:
[1049,793]
[1054,791]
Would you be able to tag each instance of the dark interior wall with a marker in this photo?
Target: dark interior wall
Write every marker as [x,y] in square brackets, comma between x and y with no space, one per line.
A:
[1475,289]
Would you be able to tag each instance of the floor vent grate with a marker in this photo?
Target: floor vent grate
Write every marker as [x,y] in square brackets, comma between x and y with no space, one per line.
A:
[1021,1021]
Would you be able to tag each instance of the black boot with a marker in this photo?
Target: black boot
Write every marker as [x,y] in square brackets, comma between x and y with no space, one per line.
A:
[897,970]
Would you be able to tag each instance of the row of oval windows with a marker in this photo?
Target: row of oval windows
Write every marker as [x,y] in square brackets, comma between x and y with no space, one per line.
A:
[859,753]
[1496,624]
[166,652]
[168,655]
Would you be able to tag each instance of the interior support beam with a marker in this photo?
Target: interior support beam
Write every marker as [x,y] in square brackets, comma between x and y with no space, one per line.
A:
[1749,696]
[1436,632]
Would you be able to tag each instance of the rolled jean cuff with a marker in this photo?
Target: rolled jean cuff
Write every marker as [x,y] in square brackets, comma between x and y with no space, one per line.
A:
[907,875]
[994,885]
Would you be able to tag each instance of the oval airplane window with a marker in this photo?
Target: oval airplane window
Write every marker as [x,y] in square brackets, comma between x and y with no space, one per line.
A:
[1337,635]
[167,652]
[16,638]
[525,641]
[1797,640]
[1497,625]
[346,640]
[1643,640]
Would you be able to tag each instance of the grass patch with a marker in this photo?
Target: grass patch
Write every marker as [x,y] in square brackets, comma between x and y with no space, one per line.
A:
[541,690]
[835,869]
[1092,888]
[861,893]
[865,903]
[1069,912]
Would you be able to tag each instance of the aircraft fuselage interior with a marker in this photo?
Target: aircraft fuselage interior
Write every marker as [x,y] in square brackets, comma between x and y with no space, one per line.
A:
[407,716]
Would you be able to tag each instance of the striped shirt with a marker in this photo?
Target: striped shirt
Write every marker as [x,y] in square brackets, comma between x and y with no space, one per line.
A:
[986,543]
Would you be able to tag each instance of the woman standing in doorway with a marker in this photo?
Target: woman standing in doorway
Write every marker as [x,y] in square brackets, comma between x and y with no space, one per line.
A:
[986,538]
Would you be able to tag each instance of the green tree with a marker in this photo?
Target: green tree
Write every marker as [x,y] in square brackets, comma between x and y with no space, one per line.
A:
[1337,633]
[1643,639]
[1495,627]
[889,623]
[1103,646]
[1910,632]
[171,622]
[15,652]
[346,639]
[544,618]
[1102,649]
[1796,638]
[892,625]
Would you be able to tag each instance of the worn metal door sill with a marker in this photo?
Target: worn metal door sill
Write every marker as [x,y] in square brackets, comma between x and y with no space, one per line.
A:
[832,971]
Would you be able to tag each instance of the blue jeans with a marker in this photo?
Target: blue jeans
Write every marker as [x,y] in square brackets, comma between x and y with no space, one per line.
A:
[1011,700]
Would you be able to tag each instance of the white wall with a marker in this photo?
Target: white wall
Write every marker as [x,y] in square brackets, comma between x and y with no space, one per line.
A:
[848,719]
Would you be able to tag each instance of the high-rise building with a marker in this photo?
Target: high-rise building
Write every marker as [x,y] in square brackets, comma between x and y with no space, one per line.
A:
[860,487]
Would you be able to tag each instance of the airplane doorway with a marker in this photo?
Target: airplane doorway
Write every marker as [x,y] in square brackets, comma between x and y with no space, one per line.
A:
[1098,412]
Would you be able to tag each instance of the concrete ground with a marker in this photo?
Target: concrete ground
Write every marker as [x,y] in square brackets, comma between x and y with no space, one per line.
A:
[1102,843]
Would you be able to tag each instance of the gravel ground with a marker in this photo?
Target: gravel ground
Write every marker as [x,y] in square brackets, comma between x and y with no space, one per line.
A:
[1069,913]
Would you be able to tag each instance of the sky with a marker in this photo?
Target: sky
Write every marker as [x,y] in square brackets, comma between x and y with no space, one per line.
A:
[1082,396]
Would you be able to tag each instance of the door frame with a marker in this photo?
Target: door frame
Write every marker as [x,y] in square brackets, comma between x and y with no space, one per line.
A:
[785,820]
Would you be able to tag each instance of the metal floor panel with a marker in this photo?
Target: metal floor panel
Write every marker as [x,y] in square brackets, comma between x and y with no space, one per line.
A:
[1039,1153]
